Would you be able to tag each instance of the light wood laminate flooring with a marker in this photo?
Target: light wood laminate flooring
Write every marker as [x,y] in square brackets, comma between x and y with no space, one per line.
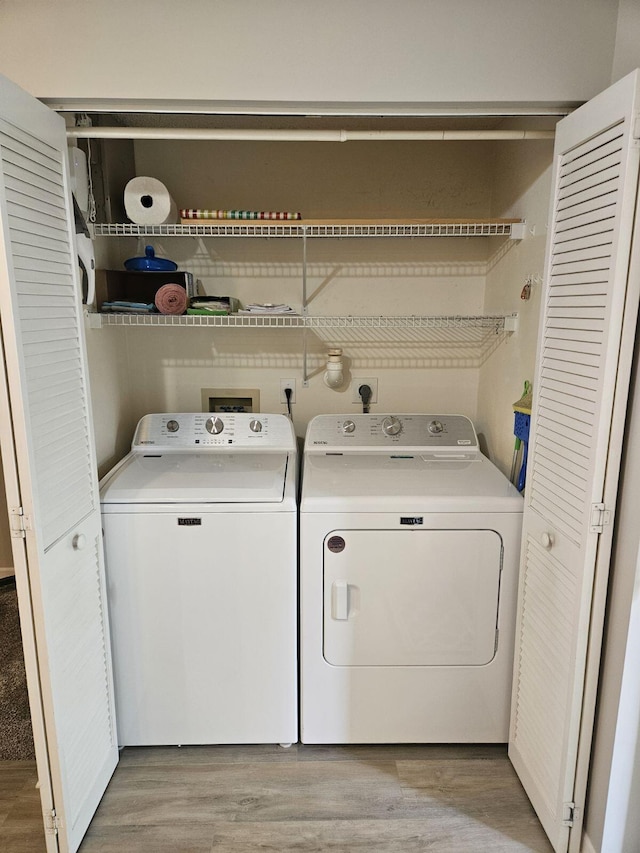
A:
[306,799]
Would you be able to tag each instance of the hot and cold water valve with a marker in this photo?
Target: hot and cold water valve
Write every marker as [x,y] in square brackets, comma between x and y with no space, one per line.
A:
[335,376]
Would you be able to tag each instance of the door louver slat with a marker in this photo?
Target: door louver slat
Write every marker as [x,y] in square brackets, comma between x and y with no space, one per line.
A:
[574,451]
[21,232]
[607,159]
[578,380]
[588,219]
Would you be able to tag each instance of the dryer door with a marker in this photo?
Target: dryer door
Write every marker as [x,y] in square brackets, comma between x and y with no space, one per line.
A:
[411,597]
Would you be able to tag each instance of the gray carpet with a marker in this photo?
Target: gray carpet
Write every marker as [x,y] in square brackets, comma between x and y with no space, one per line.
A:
[16,736]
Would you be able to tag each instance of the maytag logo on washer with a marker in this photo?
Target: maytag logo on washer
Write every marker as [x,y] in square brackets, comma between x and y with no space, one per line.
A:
[336,544]
[189,522]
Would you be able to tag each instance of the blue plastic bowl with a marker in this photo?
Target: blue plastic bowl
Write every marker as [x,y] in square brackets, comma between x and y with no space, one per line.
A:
[150,263]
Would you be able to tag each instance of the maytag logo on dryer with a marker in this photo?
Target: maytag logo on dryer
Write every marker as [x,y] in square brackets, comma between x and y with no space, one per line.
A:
[147,441]
[189,522]
[464,441]
[411,520]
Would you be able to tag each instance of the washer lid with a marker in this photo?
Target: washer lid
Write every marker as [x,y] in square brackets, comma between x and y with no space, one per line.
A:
[206,477]
[360,482]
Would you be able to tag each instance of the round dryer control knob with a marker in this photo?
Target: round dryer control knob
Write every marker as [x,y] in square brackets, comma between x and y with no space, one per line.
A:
[348,426]
[255,425]
[435,427]
[214,425]
[391,425]
[173,426]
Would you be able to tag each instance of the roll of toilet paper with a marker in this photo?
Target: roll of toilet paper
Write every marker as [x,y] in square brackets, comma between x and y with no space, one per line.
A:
[148,202]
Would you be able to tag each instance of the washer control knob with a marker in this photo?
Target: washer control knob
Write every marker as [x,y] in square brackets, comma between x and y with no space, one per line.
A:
[436,427]
[255,425]
[391,425]
[348,426]
[214,425]
[173,426]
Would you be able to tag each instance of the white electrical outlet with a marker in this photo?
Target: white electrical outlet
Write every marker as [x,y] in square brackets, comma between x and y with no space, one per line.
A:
[357,381]
[287,383]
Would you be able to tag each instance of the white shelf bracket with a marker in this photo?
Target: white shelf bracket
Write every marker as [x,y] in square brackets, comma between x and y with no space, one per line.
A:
[518,230]
[511,323]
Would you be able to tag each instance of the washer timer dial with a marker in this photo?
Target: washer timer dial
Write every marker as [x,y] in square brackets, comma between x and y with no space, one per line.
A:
[391,425]
[214,425]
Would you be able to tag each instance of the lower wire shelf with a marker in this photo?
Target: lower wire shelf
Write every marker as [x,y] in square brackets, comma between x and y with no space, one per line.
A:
[495,322]
[380,341]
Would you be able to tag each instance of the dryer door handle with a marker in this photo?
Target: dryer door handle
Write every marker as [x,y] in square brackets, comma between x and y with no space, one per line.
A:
[340,600]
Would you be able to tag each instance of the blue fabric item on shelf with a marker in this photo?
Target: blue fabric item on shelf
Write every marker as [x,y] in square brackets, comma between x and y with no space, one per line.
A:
[121,306]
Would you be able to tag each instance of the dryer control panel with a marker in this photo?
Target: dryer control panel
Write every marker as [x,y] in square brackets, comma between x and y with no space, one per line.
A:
[204,430]
[370,433]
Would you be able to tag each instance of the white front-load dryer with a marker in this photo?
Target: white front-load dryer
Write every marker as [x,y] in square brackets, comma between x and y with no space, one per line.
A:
[200,527]
[409,547]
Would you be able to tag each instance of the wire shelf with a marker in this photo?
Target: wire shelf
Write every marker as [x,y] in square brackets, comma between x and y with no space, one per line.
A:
[272,321]
[447,228]
[495,322]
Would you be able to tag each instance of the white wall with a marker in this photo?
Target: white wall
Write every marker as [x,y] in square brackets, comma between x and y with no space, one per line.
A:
[627,46]
[111,381]
[522,176]
[303,50]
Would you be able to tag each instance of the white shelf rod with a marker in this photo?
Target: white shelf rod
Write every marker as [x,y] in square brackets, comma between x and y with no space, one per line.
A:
[300,135]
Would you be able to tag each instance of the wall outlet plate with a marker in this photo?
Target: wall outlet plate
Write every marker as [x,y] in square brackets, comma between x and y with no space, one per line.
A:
[287,383]
[357,381]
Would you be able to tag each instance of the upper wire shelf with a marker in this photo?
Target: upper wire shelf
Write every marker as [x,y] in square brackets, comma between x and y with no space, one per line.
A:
[321,228]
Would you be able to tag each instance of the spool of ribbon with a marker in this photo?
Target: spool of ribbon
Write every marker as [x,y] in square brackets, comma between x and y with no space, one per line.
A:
[171,299]
[202,213]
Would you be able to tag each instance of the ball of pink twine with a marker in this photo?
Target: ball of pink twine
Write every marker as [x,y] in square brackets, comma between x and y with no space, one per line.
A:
[171,299]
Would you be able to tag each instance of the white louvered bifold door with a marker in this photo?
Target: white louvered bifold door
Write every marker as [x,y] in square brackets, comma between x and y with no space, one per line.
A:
[51,429]
[580,391]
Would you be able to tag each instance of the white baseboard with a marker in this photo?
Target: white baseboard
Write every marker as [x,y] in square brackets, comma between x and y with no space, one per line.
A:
[587,846]
[7,572]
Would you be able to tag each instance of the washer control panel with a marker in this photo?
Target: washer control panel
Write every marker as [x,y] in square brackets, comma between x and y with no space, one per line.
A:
[232,430]
[370,433]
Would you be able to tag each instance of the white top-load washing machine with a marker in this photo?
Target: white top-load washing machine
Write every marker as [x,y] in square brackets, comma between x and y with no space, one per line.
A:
[409,547]
[200,527]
